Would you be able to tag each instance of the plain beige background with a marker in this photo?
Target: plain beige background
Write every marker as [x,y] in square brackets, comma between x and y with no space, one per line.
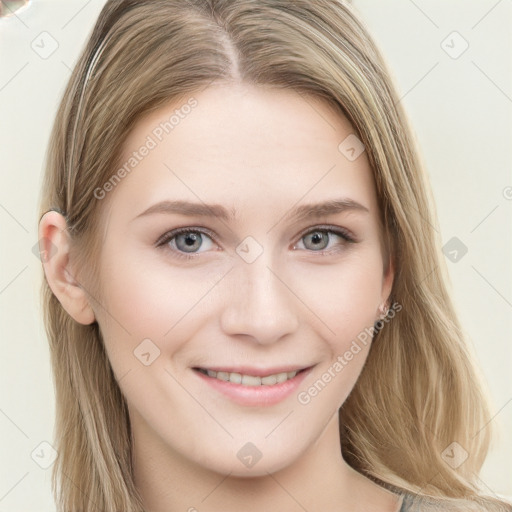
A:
[452,64]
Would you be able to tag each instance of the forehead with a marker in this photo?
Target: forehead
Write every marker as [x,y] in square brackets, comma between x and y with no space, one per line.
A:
[242,145]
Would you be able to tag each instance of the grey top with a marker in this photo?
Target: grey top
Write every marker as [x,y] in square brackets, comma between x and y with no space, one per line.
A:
[408,501]
[404,507]
[412,502]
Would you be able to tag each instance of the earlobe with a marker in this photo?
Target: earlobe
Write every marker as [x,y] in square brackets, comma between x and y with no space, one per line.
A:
[54,251]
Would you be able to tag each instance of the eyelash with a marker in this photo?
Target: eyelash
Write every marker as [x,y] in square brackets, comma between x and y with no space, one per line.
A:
[167,237]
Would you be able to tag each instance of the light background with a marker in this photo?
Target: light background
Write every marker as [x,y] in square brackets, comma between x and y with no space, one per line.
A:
[461,112]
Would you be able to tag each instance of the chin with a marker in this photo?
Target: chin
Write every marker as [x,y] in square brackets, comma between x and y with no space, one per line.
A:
[247,462]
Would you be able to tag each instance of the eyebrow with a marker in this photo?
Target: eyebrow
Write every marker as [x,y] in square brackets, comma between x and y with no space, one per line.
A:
[299,213]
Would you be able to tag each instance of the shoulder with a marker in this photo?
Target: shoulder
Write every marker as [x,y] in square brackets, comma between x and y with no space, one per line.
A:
[412,502]
[416,503]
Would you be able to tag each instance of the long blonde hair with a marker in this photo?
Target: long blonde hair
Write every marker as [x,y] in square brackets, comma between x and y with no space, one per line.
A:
[419,390]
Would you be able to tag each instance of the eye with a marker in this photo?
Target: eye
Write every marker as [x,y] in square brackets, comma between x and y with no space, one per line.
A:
[185,242]
[319,238]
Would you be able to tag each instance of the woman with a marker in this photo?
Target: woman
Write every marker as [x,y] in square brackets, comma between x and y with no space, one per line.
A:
[208,354]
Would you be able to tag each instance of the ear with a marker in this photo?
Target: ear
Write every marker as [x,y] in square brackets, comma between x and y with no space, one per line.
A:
[387,281]
[54,252]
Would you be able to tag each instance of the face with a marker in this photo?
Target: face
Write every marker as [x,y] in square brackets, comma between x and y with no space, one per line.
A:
[260,284]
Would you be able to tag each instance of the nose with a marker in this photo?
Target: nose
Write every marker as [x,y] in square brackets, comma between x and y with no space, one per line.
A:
[259,303]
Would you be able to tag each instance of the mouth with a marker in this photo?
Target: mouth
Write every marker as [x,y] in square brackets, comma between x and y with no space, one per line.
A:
[254,387]
[252,377]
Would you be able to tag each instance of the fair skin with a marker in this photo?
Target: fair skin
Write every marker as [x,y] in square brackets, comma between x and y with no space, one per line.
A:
[262,153]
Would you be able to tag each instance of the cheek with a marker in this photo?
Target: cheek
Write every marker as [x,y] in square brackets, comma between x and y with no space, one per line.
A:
[150,303]
[151,299]
[344,297]
[344,301]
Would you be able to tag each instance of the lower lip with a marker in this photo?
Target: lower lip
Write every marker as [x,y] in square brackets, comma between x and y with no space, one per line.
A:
[255,395]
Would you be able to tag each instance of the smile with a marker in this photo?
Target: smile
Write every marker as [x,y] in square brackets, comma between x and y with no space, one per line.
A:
[245,388]
[250,380]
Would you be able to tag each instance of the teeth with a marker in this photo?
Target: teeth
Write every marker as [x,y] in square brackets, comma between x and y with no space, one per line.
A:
[269,380]
[250,380]
[236,378]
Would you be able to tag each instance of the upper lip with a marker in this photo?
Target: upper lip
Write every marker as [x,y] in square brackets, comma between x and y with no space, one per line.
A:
[256,371]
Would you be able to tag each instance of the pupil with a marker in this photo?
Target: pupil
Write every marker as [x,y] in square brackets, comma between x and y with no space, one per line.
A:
[317,237]
[190,240]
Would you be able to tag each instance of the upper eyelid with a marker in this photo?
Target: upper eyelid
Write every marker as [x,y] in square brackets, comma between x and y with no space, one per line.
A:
[327,227]
[171,234]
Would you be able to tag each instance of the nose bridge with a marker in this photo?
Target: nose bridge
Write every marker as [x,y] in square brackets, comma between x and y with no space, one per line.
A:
[261,305]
